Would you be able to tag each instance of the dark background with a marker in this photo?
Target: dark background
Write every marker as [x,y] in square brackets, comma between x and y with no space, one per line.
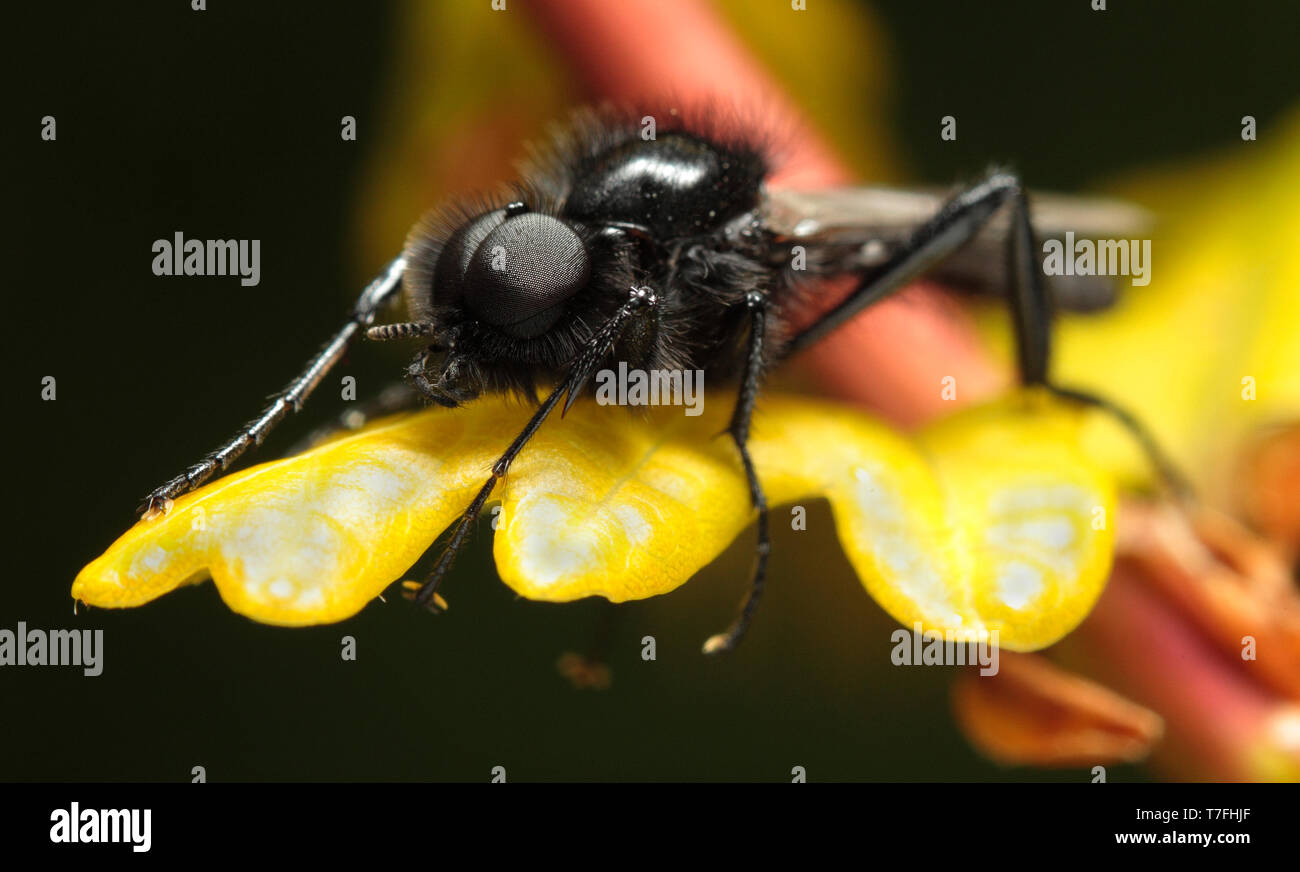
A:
[225,125]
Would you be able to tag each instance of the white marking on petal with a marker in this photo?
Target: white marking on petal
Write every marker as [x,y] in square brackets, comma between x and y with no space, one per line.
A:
[554,547]
[150,562]
[1028,498]
[311,599]
[1047,534]
[382,483]
[906,565]
[1019,583]
[671,483]
[637,528]
[876,502]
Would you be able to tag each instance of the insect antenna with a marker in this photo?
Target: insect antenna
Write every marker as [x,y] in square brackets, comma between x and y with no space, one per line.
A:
[405,330]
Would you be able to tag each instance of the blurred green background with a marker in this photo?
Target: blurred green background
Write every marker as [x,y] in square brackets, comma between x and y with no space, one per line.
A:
[225,124]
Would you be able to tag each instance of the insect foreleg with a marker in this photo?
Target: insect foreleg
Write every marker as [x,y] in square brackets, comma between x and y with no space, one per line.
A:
[376,294]
[739,431]
[601,343]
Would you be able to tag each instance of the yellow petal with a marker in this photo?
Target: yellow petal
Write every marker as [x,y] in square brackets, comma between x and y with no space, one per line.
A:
[991,521]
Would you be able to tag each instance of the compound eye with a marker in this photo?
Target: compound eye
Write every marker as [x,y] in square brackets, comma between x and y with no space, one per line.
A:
[523,272]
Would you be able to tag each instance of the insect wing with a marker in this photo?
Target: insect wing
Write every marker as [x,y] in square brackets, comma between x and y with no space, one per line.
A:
[870,222]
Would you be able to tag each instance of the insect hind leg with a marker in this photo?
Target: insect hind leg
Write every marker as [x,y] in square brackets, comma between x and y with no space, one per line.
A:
[1170,475]
[1032,317]
[959,220]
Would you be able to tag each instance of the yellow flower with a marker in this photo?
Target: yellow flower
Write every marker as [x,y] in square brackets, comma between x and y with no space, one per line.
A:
[990,521]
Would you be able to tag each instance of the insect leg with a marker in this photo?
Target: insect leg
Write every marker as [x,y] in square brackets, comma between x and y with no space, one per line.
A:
[1165,468]
[1032,316]
[739,430]
[378,292]
[600,344]
[957,221]
[417,372]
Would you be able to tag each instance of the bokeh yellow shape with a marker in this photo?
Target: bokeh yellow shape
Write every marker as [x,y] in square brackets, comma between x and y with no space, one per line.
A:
[991,520]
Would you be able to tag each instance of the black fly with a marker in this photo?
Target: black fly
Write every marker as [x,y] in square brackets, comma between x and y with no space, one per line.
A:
[669,253]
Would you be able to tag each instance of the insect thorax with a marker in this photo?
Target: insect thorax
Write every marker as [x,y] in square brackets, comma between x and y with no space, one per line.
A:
[676,186]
